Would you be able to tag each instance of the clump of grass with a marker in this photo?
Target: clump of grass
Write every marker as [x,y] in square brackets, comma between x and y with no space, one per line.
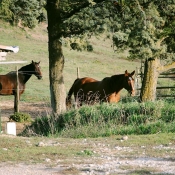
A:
[20,117]
[109,119]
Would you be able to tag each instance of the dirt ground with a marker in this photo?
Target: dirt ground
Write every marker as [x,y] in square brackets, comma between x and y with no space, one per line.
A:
[34,109]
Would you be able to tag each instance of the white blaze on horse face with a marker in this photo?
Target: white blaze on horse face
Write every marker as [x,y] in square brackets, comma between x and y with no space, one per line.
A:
[132,86]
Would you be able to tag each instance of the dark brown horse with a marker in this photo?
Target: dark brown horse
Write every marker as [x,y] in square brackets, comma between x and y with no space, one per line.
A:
[8,82]
[88,90]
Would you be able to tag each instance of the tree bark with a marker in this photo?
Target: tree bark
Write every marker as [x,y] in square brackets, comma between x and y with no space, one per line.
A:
[152,69]
[149,84]
[56,58]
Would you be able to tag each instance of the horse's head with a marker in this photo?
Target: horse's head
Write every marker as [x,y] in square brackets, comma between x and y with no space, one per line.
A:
[37,71]
[129,83]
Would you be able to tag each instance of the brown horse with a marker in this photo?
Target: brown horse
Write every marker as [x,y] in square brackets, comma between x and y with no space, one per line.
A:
[8,82]
[88,90]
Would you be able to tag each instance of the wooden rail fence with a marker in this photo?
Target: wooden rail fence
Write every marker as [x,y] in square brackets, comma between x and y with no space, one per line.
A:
[139,77]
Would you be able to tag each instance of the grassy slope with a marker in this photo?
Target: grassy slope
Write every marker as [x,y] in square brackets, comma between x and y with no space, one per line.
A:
[33,45]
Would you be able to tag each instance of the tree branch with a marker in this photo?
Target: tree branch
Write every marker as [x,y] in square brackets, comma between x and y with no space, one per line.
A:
[166,67]
[160,41]
[77,9]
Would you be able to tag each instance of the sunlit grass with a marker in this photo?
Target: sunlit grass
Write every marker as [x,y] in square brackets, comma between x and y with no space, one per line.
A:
[26,150]
[104,120]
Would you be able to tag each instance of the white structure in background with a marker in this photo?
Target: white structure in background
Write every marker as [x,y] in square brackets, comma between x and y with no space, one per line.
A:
[11,126]
[5,49]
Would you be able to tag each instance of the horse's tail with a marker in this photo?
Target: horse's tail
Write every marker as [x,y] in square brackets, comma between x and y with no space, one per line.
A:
[69,95]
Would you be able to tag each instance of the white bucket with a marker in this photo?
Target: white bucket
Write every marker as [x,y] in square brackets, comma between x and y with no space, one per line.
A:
[11,128]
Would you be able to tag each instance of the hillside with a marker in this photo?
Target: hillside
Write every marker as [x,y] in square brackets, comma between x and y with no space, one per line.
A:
[33,44]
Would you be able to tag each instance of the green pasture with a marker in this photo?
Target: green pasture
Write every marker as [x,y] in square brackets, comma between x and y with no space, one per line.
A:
[33,44]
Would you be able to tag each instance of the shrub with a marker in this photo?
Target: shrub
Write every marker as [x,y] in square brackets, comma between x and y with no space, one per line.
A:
[20,117]
[109,119]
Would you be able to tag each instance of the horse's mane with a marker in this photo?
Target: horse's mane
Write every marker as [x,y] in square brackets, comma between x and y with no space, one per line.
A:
[21,69]
[112,80]
[25,67]
[115,79]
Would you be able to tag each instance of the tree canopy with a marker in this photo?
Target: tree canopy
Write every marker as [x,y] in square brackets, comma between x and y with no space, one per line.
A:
[27,13]
[145,27]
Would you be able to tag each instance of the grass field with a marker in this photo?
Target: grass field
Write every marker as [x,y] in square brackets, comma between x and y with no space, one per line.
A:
[33,44]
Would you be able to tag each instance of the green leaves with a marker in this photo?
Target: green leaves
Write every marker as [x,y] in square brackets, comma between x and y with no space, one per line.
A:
[5,12]
[20,117]
[136,25]
[23,12]
[146,29]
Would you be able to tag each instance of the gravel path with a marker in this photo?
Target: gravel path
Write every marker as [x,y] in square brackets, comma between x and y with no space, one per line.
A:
[108,163]
[108,166]
[22,169]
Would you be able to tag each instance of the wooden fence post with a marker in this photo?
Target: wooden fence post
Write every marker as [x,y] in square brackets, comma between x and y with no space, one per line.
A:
[138,81]
[17,89]
[78,72]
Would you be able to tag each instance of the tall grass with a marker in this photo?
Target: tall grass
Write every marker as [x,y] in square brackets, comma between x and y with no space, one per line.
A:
[108,119]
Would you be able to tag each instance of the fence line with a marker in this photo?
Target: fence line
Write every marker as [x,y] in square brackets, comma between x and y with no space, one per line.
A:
[13,62]
[139,77]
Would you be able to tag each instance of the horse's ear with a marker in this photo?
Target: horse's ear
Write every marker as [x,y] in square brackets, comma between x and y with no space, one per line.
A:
[39,62]
[126,72]
[132,73]
[32,61]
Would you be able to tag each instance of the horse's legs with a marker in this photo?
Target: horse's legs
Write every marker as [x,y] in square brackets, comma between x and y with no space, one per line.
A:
[78,100]
[76,103]
[113,98]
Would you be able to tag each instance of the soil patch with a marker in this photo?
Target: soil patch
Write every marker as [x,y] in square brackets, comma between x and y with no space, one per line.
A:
[38,109]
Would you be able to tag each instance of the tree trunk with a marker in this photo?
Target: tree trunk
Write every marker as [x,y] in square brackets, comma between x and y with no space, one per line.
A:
[149,84]
[152,69]
[56,58]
